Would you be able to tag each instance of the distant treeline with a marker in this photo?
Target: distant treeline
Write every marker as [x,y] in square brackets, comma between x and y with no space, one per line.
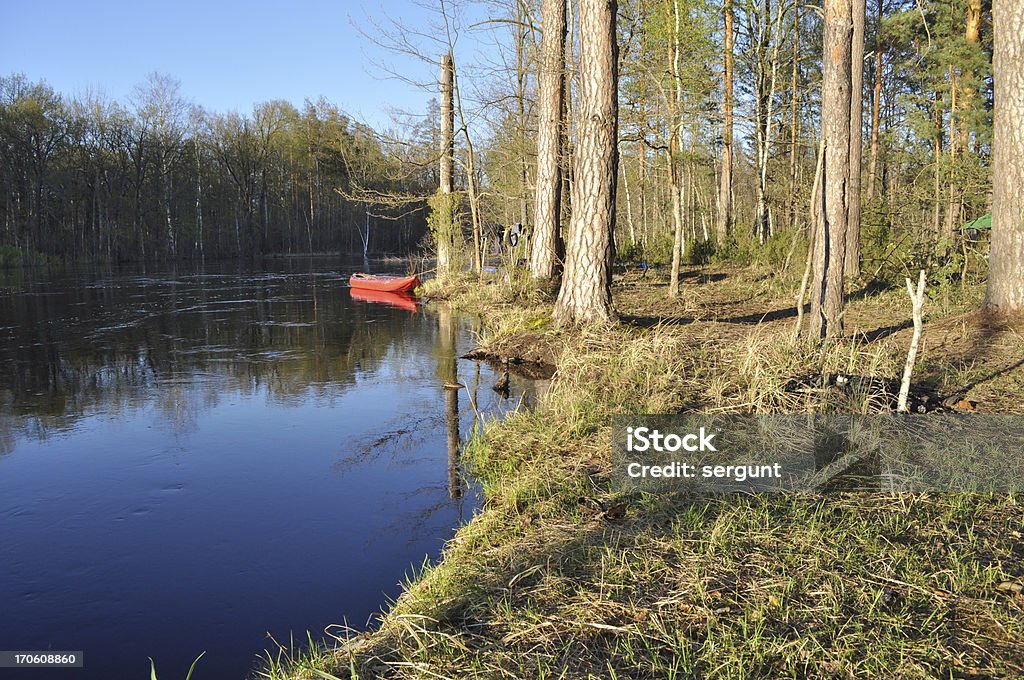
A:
[162,179]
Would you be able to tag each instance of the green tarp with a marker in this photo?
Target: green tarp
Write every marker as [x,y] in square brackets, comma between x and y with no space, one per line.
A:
[983,222]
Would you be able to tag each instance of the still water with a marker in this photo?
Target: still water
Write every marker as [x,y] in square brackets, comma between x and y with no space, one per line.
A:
[190,461]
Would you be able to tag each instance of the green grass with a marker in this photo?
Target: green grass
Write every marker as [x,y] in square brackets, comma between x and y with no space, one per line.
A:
[191,669]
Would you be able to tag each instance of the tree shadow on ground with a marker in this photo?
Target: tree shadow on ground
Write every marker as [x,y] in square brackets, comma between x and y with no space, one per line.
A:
[760,317]
[870,289]
[884,331]
[650,321]
[703,277]
[992,376]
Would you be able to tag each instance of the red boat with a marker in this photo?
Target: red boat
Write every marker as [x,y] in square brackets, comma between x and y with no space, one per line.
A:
[383,282]
[400,300]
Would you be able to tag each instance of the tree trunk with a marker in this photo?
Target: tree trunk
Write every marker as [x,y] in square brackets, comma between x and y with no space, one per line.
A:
[830,244]
[724,224]
[876,103]
[856,139]
[793,130]
[675,145]
[762,120]
[952,203]
[1005,293]
[544,253]
[447,169]
[937,178]
[677,215]
[585,295]
[642,182]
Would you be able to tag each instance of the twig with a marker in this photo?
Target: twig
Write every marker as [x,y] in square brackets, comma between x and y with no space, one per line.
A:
[917,300]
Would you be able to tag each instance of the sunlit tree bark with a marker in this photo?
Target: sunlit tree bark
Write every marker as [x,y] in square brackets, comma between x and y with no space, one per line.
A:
[830,242]
[585,295]
[724,223]
[1005,292]
[551,79]
[445,217]
[856,139]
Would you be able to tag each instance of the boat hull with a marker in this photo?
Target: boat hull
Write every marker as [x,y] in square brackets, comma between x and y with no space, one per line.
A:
[387,284]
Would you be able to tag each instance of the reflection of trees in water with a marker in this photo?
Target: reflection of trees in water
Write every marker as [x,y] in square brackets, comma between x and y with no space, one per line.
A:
[120,344]
[396,443]
[448,374]
[7,441]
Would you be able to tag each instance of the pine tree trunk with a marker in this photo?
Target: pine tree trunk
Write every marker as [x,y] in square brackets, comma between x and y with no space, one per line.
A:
[585,295]
[830,243]
[953,202]
[551,82]
[856,140]
[724,224]
[793,125]
[1005,292]
[876,103]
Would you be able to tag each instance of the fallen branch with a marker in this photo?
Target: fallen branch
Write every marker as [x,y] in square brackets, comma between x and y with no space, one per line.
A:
[917,300]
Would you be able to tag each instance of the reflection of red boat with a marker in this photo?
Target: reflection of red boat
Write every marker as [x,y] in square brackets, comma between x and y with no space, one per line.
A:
[383,297]
[391,284]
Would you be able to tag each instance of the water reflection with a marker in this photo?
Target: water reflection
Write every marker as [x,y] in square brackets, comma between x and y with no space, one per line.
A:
[191,460]
[70,349]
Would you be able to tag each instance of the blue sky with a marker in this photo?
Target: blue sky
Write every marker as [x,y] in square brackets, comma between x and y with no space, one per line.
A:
[227,55]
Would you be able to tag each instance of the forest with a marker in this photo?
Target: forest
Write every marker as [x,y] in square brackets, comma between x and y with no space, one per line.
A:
[719,112]
[160,179]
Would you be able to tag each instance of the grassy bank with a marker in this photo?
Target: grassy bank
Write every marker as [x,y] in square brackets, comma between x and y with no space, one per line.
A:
[559,577]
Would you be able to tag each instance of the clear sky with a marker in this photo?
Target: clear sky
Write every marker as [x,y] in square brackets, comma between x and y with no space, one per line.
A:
[228,54]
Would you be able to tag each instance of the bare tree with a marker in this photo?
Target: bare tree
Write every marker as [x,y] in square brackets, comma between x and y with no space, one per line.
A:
[830,242]
[585,295]
[1005,292]
[163,113]
[548,208]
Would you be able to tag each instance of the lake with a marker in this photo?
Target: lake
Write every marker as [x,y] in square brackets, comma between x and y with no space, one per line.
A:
[193,460]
